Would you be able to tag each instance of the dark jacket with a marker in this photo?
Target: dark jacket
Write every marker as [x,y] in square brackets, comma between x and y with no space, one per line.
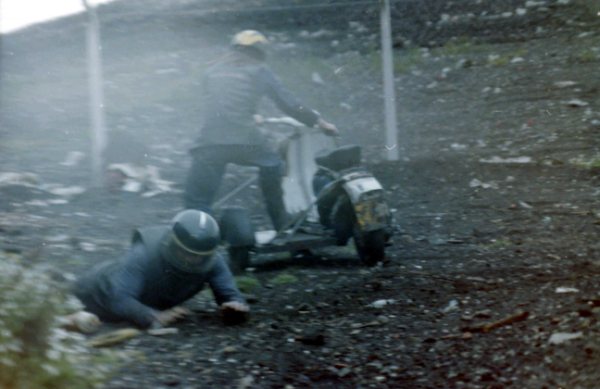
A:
[233,88]
[142,282]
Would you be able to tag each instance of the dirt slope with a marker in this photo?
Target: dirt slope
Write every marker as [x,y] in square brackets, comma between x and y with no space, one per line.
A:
[497,194]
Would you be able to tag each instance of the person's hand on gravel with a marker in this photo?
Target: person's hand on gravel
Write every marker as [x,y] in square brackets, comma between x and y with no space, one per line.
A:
[169,316]
[234,312]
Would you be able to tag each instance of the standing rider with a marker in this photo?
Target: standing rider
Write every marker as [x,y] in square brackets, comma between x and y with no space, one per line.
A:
[233,88]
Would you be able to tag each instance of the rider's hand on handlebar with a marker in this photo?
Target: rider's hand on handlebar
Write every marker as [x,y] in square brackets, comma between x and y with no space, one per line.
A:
[328,128]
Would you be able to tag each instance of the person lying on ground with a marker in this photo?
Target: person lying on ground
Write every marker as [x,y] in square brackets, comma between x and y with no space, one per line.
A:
[164,267]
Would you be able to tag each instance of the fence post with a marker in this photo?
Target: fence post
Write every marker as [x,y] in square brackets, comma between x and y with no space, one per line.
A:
[98,129]
[391,131]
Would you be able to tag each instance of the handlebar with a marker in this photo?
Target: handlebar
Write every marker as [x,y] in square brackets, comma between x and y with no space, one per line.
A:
[298,126]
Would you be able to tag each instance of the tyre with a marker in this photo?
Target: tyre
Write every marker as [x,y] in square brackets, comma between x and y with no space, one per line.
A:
[370,246]
[342,219]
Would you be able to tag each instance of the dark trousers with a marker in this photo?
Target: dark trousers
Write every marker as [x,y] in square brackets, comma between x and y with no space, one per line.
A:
[208,166]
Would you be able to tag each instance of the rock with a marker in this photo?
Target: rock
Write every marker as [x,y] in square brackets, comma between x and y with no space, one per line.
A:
[564,289]
[81,321]
[316,78]
[452,306]
[515,160]
[564,84]
[163,331]
[562,337]
[114,337]
[246,382]
[229,350]
[576,103]
[381,303]
[312,339]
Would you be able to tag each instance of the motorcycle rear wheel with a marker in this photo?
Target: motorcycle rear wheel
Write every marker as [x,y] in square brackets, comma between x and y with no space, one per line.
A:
[370,245]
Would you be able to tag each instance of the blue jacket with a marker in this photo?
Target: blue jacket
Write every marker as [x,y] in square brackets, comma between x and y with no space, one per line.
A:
[142,282]
[233,88]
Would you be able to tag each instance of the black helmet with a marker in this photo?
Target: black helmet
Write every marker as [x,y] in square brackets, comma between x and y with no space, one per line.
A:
[192,241]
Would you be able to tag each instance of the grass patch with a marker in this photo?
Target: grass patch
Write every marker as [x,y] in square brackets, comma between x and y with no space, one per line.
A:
[34,351]
[406,61]
[585,56]
[591,5]
[506,58]
[498,244]
[460,46]
[587,164]
[283,279]
[246,284]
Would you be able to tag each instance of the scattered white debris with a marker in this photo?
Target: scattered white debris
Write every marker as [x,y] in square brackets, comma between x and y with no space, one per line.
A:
[37,203]
[565,289]
[346,106]
[523,204]
[381,303]
[136,178]
[73,158]
[531,4]
[357,26]
[562,337]
[57,201]
[284,120]
[576,103]
[452,306]
[564,84]
[316,78]
[57,238]
[65,191]
[458,146]
[517,60]
[22,179]
[475,183]
[496,159]
[315,34]
[163,331]
[88,247]
[493,57]
[246,382]
[166,71]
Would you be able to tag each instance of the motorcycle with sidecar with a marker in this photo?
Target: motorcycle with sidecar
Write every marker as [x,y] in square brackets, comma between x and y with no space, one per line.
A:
[332,197]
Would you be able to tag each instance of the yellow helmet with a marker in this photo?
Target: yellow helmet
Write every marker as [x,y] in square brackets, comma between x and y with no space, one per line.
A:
[249,38]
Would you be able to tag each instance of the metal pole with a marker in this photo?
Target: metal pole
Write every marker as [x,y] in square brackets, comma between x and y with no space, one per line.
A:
[391,132]
[98,129]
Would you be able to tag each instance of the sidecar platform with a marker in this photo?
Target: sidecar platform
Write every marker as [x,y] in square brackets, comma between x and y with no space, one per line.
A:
[304,239]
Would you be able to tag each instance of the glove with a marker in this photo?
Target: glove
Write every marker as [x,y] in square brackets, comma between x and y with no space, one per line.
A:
[328,128]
